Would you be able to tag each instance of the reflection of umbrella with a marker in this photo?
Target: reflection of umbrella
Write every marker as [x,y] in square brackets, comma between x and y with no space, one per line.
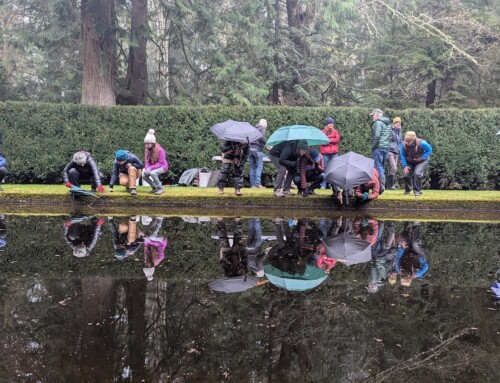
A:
[312,277]
[312,135]
[233,285]
[349,170]
[236,131]
[79,192]
[348,249]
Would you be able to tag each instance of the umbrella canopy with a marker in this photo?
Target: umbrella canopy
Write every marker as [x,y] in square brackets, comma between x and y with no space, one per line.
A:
[79,192]
[348,249]
[349,170]
[312,135]
[236,131]
[312,278]
[233,285]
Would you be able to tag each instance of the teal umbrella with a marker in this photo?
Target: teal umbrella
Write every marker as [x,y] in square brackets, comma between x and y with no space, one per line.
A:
[312,277]
[312,135]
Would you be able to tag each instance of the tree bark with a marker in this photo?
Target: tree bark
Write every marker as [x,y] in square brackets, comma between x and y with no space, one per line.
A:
[99,57]
[431,94]
[137,71]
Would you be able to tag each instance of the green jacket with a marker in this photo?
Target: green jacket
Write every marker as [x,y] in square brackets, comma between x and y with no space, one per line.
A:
[381,133]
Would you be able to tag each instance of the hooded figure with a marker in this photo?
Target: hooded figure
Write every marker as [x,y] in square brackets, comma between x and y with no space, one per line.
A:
[82,236]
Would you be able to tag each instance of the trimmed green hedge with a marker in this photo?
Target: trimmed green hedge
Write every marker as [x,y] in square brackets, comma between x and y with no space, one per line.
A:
[39,139]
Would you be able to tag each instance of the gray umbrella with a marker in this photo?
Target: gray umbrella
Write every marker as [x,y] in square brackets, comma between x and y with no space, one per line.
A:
[348,249]
[349,170]
[233,285]
[236,131]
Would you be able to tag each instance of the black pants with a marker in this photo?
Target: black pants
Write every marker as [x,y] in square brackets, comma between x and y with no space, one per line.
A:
[3,173]
[84,173]
[225,173]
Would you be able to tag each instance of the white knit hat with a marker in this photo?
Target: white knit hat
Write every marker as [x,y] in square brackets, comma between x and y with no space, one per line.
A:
[150,137]
[263,123]
[80,158]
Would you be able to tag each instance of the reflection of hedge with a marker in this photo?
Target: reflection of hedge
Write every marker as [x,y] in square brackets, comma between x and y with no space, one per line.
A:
[36,246]
[40,138]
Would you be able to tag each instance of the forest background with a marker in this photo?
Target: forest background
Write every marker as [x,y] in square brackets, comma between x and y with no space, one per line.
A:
[383,53]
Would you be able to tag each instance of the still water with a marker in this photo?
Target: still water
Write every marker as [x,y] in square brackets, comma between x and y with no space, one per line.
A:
[200,299]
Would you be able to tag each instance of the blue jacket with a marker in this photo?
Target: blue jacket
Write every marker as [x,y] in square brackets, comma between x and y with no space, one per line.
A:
[424,266]
[117,168]
[427,149]
[3,162]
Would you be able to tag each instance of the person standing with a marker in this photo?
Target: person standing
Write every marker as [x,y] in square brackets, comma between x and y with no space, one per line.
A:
[415,154]
[380,139]
[126,169]
[285,156]
[82,166]
[330,150]
[3,170]
[393,155]
[256,155]
[234,155]
[155,163]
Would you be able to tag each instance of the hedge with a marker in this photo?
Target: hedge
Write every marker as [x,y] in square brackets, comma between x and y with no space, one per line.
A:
[39,139]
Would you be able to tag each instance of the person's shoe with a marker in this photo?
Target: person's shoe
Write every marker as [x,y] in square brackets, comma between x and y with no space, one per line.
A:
[221,191]
[159,191]
[133,191]
[92,190]
[253,187]
[311,191]
[260,187]
[417,194]
[288,193]
[278,193]
[237,192]
[128,190]
[394,187]
[407,192]
[153,190]
[322,187]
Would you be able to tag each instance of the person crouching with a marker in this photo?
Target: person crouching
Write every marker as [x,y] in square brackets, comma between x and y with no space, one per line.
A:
[126,169]
[369,190]
[311,169]
[155,163]
[234,156]
[83,167]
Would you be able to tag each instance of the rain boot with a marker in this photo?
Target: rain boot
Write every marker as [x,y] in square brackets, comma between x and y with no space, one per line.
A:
[382,184]
[389,184]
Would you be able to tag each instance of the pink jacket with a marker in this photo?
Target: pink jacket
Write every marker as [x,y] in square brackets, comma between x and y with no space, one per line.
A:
[162,160]
[160,245]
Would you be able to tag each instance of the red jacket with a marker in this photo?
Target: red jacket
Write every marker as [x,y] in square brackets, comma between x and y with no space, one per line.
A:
[373,185]
[333,146]
[308,165]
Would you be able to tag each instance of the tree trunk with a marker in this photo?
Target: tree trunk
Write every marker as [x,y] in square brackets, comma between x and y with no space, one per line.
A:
[276,95]
[430,98]
[99,57]
[137,72]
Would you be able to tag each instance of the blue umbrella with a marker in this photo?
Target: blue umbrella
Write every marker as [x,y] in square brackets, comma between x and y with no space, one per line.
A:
[79,192]
[236,131]
[312,277]
[312,135]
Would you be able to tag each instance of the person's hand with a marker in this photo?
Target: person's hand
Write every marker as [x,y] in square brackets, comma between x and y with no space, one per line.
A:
[101,221]
[68,184]
[68,223]
[100,189]
[147,172]
[110,188]
[305,193]
[127,165]
[365,196]
[406,169]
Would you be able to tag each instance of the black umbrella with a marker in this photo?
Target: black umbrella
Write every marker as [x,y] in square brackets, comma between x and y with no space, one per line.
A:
[236,131]
[349,170]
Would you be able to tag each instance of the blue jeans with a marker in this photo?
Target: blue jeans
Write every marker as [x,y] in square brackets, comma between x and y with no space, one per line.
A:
[326,159]
[256,165]
[380,157]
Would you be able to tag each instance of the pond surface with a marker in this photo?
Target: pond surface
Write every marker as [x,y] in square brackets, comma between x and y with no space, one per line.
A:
[142,299]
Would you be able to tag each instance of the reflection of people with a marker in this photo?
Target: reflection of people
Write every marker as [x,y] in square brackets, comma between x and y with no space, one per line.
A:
[82,167]
[256,155]
[155,162]
[232,257]
[411,261]
[369,190]
[154,247]
[366,229]
[127,237]
[126,169]
[82,234]
[3,234]
[234,156]
[254,242]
